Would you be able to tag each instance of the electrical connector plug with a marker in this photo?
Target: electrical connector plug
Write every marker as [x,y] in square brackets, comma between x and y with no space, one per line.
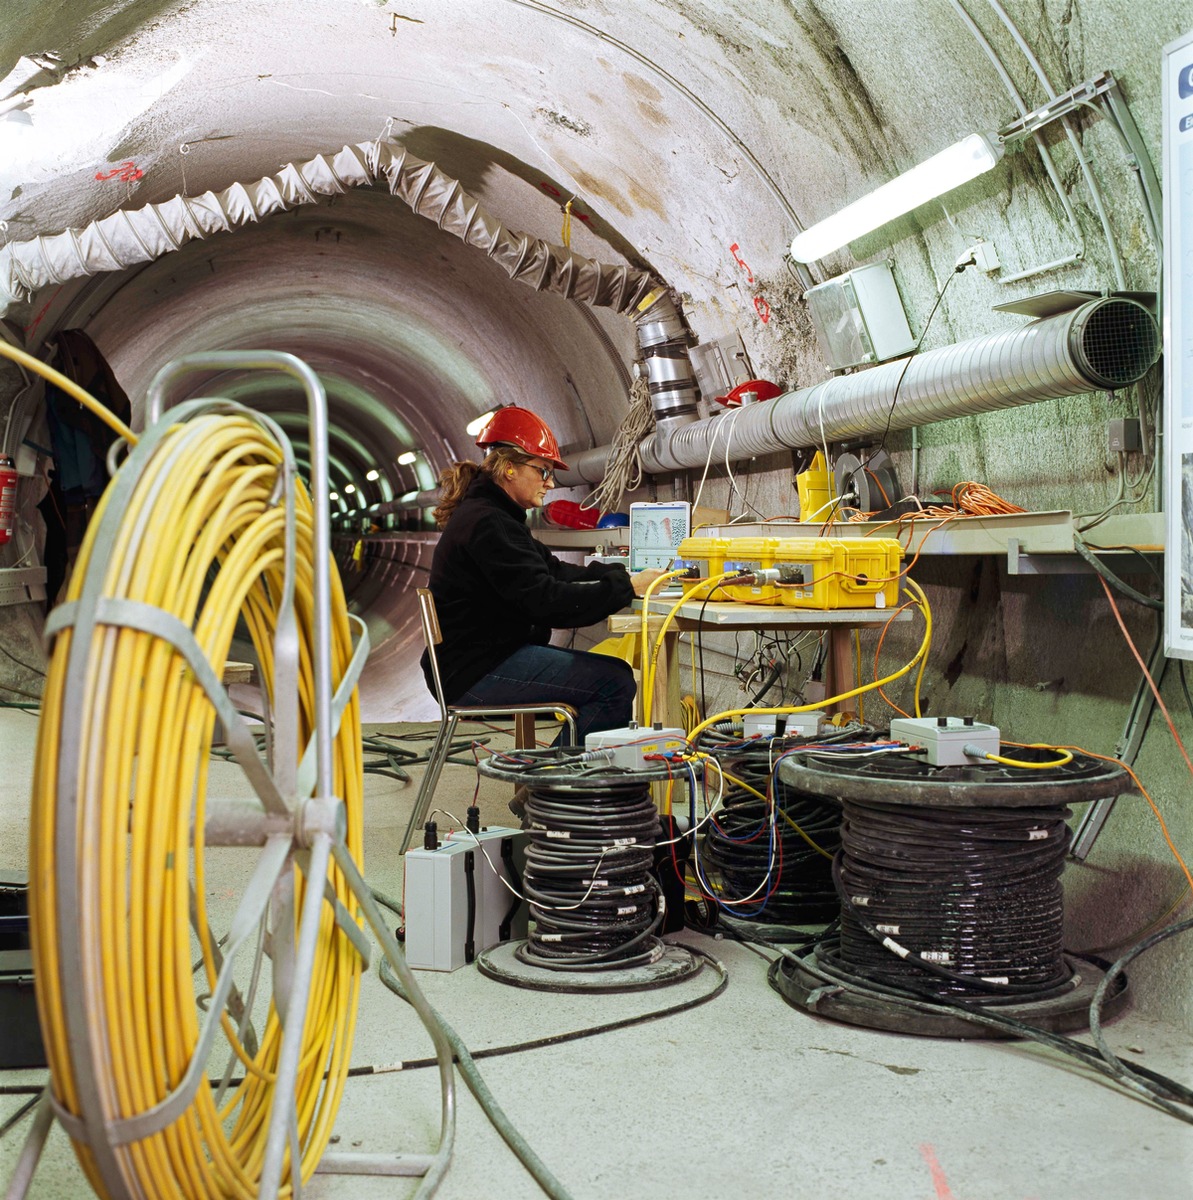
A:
[981,255]
[759,577]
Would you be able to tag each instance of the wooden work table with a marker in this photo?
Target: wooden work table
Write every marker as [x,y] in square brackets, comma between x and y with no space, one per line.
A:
[728,617]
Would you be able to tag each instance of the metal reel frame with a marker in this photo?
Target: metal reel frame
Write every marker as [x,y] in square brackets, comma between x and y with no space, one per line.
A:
[298,817]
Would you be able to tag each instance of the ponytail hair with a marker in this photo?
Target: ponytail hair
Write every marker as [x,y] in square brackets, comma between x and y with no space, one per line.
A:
[458,478]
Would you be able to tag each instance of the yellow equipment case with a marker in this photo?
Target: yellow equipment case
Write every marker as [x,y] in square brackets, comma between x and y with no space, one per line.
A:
[813,572]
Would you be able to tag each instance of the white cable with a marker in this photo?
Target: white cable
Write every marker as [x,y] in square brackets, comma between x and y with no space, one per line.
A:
[623,468]
[510,887]
[712,441]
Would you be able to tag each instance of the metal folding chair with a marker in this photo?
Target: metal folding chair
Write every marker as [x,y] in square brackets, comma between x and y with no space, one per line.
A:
[450,715]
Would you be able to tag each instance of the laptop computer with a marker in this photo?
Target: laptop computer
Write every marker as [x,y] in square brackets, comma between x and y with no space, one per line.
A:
[656,531]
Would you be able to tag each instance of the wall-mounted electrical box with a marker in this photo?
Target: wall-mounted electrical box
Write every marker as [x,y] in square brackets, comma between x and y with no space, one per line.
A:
[720,365]
[859,317]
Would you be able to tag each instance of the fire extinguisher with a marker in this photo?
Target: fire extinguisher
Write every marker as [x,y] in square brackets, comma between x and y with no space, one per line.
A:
[8,497]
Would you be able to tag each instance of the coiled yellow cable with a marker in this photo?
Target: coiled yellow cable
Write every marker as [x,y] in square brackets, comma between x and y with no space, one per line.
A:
[201,538]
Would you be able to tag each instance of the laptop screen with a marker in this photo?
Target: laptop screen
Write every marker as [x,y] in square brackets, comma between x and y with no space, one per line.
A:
[655,533]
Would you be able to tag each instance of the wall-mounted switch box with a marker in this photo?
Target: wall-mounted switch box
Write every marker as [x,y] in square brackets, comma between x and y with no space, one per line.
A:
[859,317]
[1124,435]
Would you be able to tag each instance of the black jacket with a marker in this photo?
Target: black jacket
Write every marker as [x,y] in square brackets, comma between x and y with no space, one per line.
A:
[496,589]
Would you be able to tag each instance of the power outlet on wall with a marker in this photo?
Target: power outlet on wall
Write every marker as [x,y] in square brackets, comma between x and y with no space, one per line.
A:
[1123,435]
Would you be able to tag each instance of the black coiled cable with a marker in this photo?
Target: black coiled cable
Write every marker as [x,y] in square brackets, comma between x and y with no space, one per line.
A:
[801,890]
[593,899]
[963,903]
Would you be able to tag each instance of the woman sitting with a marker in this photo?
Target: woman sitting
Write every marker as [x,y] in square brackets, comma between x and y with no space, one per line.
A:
[499,592]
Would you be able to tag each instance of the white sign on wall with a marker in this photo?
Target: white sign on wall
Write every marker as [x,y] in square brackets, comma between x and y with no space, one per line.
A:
[1178,346]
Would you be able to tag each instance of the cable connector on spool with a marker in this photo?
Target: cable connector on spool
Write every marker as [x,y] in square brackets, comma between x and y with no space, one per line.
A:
[629,748]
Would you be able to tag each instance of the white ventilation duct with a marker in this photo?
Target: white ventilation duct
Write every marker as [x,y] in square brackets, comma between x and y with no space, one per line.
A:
[141,235]
[128,237]
[1107,343]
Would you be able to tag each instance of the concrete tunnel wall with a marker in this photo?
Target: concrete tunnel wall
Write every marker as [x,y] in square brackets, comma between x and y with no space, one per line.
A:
[696,139]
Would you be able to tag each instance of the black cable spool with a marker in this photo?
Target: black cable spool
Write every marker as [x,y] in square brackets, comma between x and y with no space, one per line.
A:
[976,891]
[804,892]
[595,907]
[587,877]
[949,880]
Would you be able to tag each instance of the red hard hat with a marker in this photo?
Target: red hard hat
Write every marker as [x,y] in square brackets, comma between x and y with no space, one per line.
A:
[514,426]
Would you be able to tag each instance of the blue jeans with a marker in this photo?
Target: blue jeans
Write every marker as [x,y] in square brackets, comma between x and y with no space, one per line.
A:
[601,689]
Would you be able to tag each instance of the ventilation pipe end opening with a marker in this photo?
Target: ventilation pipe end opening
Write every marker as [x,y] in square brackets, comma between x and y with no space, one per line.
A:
[1114,341]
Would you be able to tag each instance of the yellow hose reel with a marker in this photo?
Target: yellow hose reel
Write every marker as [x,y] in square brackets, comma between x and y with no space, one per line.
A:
[174,1080]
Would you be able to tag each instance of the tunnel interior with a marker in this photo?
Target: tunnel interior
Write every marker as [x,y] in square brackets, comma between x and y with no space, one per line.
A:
[413,335]
[692,141]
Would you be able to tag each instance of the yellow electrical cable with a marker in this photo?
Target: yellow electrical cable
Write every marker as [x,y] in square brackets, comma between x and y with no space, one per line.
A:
[692,665]
[643,655]
[566,233]
[922,603]
[918,658]
[85,398]
[1065,757]
[817,848]
[648,676]
[202,537]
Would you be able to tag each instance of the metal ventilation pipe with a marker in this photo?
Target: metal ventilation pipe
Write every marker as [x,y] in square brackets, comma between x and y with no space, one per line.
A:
[665,342]
[1107,343]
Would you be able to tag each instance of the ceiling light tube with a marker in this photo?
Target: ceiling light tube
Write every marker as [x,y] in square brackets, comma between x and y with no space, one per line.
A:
[966,160]
[373,476]
[474,427]
[349,488]
[405,459]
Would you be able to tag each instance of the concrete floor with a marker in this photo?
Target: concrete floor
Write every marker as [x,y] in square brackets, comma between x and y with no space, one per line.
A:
[742,1097]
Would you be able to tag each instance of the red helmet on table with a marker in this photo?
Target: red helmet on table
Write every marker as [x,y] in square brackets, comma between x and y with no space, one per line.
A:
[514,426]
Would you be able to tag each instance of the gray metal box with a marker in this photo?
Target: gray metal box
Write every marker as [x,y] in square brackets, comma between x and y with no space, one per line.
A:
[437,898]
[859,317]
[944,738]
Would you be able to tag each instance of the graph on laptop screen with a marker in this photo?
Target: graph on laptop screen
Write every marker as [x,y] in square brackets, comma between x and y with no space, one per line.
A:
[655,533]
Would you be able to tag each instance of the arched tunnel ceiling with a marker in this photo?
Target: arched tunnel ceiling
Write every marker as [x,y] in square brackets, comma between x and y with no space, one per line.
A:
[695,138]
[413,332]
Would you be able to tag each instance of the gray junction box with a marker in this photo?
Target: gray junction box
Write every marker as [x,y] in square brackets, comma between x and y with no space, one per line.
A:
[459,880]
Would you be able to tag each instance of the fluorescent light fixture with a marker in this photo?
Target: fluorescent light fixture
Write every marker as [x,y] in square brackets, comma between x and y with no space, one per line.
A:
[404,460]
[474,427]
[349,488]
[373,475]
[333,495]
[969,158]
